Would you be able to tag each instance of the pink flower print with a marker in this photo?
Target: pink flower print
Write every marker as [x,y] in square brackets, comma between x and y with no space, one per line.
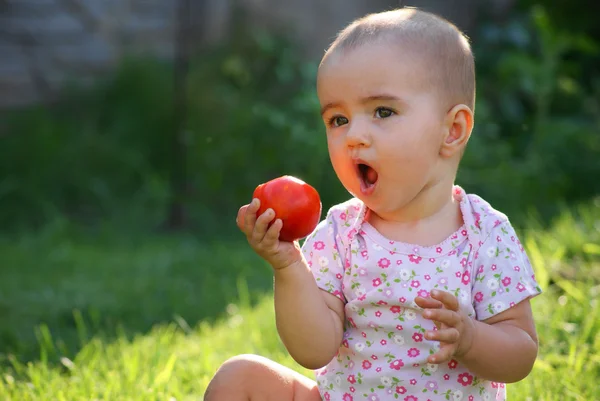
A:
[463,233]
[438,249]
[388,293]
[374,357]
[345,343]
[376,282]
[477,220]
[480,270]
[366,364]
[364,254]
[402,299]
[466,278]
[351,321]
[520,287]
[400,389]
[498,239]
[362,272]
[511,304]
[395,309]
[517,268]
[432,260]
[363,334]
[338,276]
[411,398]
[497,223]
[373,397]
[443,281]
[399,327]
[465,379]
[446,376]
[451,253]
[413,352]
[494,385]
[494,267]
[479,296]
[343,216]
[431,385]
[513,255]
[310,263]
[383,342]
[347,397]
[397,364]
[427,277]
[384,263]
[417,337]
[458,274]
[399,262]
[327,397]
[452,364]
[413,381]
[415,259]
[423,293]
[415,284]
[378,370]
[381,303]
[351,365]
[471,398]
[463,262]
[352,389]
[378,313]
[319,245]
[372,325]
[506,281]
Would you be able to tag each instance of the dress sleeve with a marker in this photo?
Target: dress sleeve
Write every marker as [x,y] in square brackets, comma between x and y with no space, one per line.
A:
[504,276]
[323,252]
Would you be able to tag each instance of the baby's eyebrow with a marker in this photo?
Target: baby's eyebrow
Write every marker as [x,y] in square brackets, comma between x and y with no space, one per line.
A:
[365,100]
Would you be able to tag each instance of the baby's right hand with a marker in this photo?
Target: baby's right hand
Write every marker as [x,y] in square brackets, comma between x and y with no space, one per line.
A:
[264,239]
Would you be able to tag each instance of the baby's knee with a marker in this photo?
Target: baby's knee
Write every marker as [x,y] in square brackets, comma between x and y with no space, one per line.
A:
[233,375]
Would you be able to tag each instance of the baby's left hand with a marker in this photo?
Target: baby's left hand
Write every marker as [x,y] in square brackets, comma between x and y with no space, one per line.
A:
[455,328]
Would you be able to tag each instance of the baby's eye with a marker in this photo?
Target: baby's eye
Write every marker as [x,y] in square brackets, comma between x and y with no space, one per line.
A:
[338,121]
[382,112]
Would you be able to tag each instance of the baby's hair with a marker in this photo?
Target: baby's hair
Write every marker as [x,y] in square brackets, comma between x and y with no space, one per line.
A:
[442,47]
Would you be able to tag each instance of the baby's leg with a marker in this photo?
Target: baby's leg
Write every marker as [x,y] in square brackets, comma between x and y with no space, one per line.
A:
[254,378]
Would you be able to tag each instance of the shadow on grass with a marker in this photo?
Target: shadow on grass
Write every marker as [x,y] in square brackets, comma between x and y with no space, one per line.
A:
[58,289]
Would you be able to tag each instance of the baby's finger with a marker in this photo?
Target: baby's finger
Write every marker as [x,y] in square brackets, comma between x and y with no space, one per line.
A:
[428,303]
[445,316]
[443,355]
[250,216]
[449,300]
[240,218]
[449,335]
[272,235]
[261,225]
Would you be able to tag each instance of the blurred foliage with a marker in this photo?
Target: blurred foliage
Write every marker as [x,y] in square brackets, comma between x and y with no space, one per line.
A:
[104,154]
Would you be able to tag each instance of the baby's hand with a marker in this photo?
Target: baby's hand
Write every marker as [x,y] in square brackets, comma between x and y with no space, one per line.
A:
[264,239]
[455,328]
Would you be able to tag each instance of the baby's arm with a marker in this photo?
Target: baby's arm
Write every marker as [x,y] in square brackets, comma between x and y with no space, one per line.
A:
[309,320]
[505,346]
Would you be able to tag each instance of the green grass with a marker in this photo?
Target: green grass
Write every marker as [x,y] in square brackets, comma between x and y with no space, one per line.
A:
[113,317]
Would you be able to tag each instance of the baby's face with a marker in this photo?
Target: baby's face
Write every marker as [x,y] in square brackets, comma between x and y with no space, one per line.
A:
[384,125]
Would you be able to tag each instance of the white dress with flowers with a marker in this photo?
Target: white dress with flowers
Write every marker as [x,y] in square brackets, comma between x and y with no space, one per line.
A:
[383,355]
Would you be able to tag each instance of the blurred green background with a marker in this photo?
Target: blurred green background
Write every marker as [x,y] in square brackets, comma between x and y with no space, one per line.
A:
[118,198]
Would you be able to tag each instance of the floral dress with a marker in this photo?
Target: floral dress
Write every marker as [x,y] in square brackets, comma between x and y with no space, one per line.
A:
[383,355]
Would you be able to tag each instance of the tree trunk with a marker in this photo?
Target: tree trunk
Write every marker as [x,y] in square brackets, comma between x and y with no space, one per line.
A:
[177,218]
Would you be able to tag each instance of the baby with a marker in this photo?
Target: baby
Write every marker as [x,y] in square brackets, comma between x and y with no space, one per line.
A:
[412,289]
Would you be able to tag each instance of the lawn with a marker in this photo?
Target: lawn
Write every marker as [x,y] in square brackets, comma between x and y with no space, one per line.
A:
[108,316]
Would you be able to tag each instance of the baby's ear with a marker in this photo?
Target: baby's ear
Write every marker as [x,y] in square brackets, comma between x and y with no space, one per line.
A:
[458,125]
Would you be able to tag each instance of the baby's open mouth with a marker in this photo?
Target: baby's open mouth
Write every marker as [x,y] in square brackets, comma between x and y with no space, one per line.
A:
[368,178]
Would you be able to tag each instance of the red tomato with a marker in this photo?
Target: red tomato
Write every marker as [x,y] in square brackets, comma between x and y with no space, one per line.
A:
[295,202]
